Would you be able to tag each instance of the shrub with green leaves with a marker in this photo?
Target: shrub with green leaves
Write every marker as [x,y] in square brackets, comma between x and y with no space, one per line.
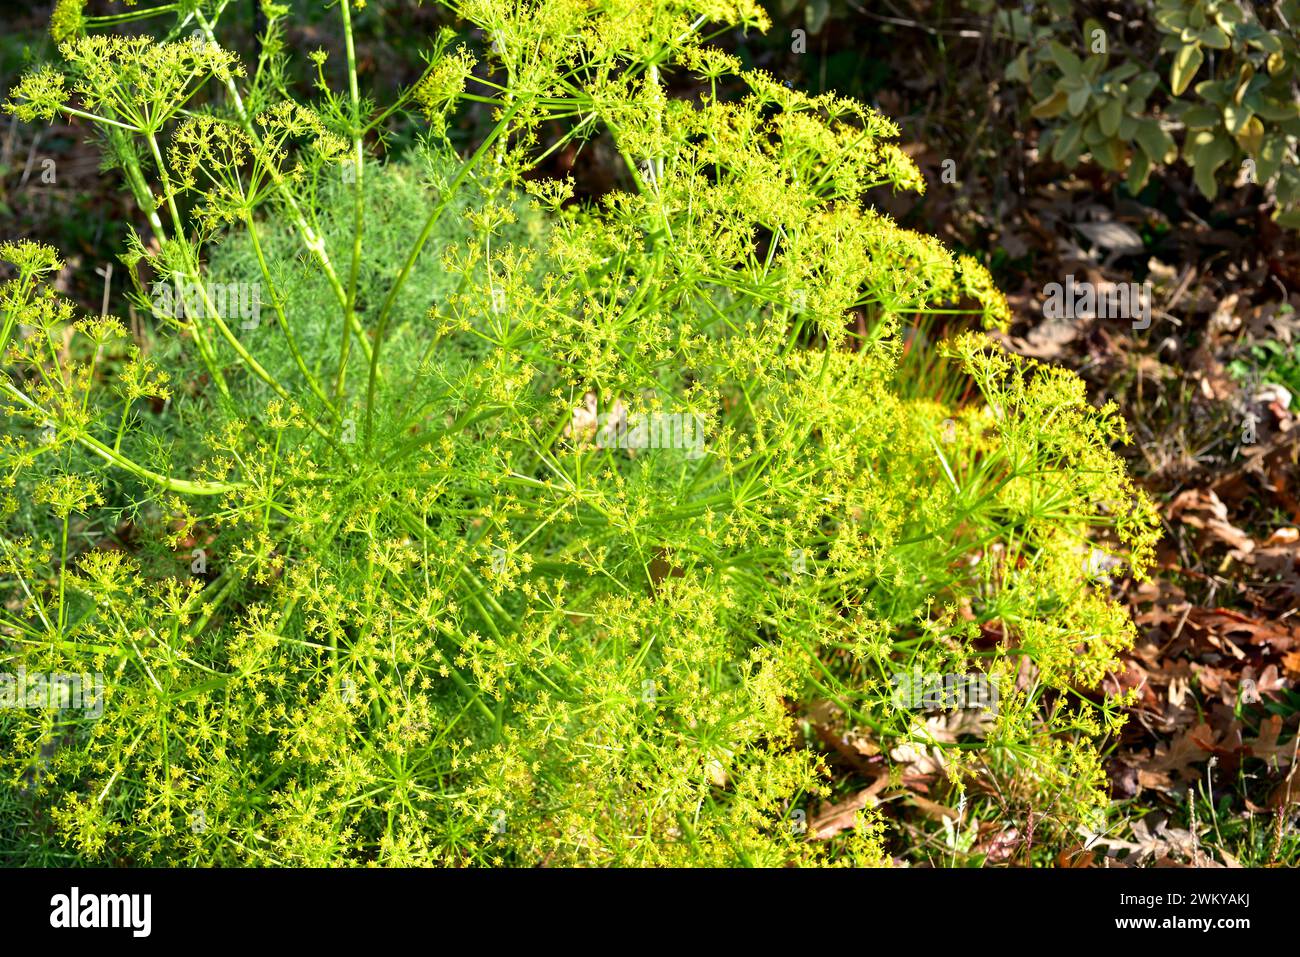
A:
[1213,82]
[407,568]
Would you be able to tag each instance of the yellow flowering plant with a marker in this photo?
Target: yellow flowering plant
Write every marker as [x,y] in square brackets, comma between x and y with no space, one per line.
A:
[495,527]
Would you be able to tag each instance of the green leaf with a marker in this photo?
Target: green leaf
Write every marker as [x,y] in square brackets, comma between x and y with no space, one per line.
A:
[1186,63]
[1268,42]
[1155,142]
[1202,117]
[815,14]
[1251,136]
[1066,148]
[1110,116]
[1288,186]
[1244,83]
[1092,134]
[1092,32]
[1051,107]
[1235,118]
[1171,19]
[1018,69]
[1139,169]
[1142,86]
[1229,16]
[1214,38]
[1206,152]
[1109,153]
[1041,85]
[1272,110]
[1218,92]
[1270,157]
[1078,100]
[1065,61]
[1288,219]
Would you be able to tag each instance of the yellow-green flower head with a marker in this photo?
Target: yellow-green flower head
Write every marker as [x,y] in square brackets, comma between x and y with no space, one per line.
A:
[66,494]
[32,259]
[68,19]
[134,81]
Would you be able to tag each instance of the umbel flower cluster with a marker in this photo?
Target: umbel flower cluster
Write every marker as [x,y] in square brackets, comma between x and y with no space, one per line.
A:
[363,585]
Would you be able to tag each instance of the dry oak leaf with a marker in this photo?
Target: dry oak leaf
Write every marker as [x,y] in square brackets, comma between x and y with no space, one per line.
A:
[1171,764]
[841,816]
[1265,745]
[1203,509]
[1291,663]
[1151,838]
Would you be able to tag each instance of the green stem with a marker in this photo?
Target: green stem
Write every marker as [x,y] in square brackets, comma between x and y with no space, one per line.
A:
[358,215]
[314,242]
[381,326]
[313,383]
[116,18]
[145,199]
[121,426]
[11,316]
[63,575]
[115,458]
[210,307]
